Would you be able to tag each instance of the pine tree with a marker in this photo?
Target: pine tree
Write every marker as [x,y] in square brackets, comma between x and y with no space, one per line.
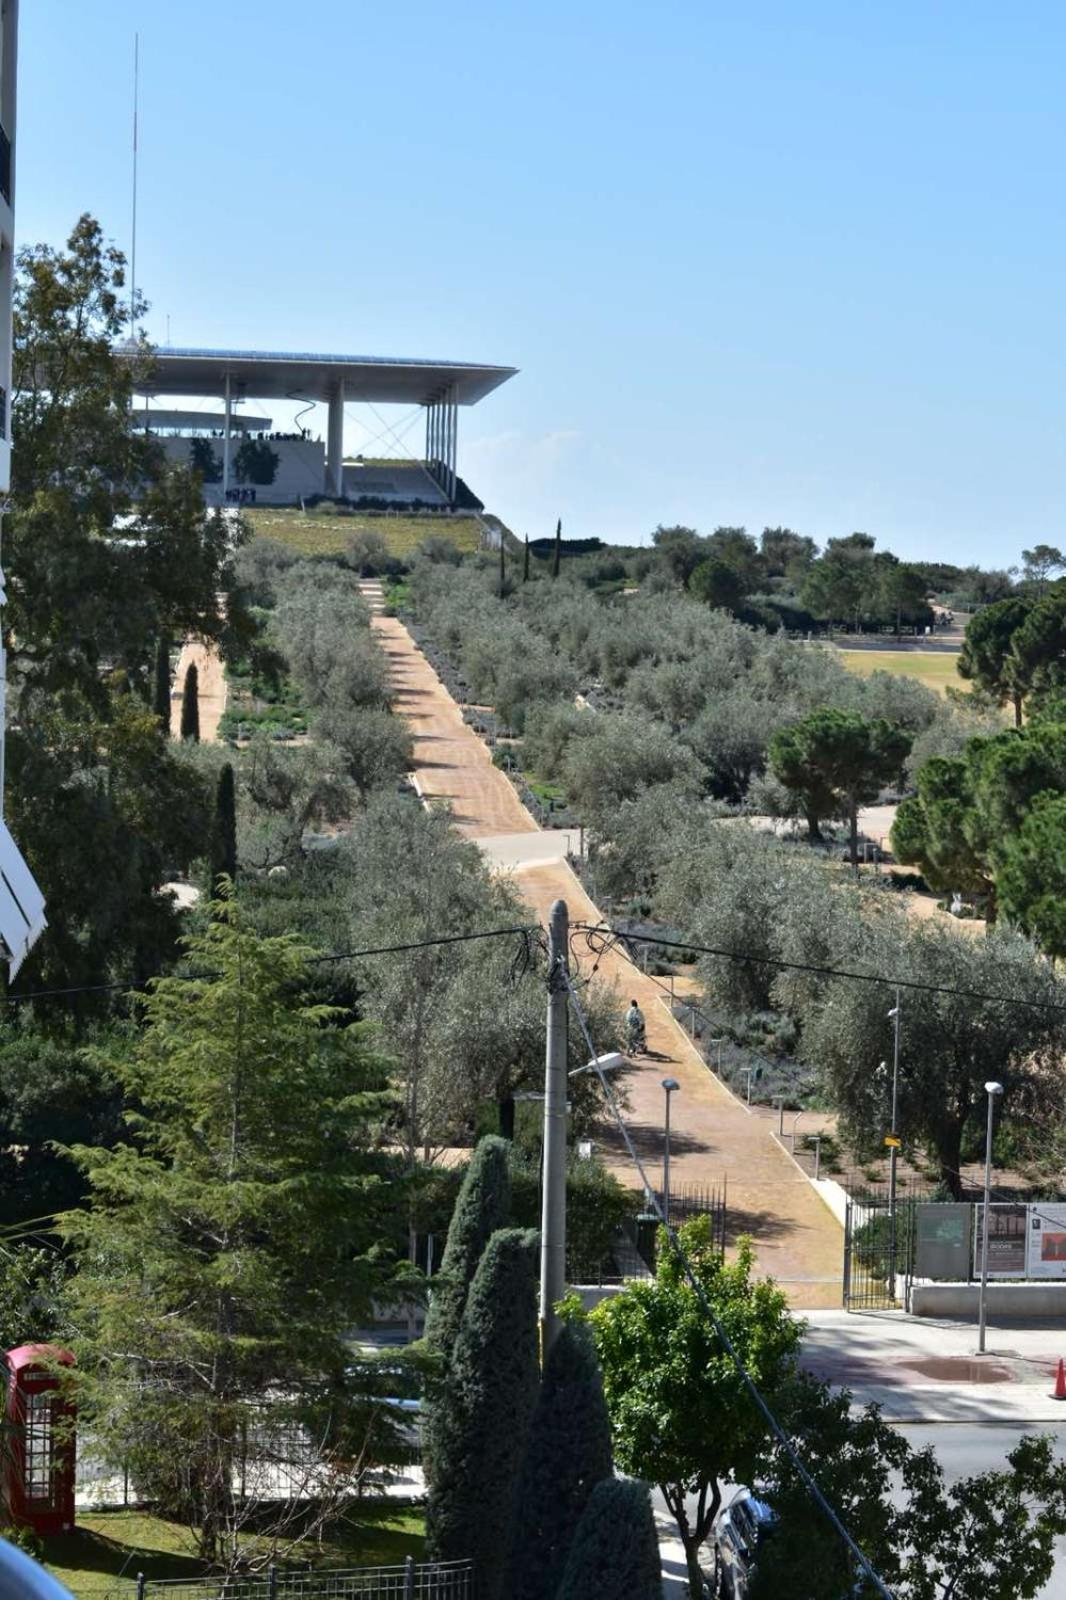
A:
[229,1249]
[558,556]
[525,562]
[224,832]
[568,1454]
[162,682]
[190,704]
[615,1554]
[482,1205]
[479,1424]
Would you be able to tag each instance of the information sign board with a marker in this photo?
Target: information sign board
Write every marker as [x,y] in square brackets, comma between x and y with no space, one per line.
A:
[1047,1240]
[1007,1234]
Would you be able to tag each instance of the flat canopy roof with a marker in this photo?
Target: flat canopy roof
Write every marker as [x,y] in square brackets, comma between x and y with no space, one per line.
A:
[275,375]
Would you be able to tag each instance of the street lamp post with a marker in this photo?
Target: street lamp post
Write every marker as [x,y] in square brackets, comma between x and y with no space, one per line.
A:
[993,1091]
[669,1084]
[893,1150]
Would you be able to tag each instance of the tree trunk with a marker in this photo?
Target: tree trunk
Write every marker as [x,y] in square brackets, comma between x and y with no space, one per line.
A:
[1016,697]
[853,822]
[814,832]
[506,1115]
[693,1537]
[949,1157]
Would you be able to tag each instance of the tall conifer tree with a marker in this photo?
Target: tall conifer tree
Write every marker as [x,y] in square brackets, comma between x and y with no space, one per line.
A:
[480,1422]
[190,704]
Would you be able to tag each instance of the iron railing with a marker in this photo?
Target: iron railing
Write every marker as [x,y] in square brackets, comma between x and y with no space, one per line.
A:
[428,1580]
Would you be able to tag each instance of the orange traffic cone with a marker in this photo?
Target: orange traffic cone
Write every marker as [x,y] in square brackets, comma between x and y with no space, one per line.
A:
[1059,1392]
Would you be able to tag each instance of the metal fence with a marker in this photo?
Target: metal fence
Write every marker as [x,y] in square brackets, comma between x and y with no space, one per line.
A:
[430,1580]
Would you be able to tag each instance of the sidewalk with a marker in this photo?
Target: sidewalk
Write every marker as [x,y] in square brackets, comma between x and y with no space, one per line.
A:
[922,1369]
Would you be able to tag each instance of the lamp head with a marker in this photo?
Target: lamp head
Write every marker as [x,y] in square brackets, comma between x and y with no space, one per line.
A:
[670,1084]
[993,1089]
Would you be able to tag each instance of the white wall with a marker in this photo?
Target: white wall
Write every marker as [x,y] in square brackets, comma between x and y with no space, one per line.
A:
[301,468]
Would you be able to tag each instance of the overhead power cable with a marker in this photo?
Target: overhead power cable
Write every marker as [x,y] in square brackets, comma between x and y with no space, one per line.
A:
[623,936]
[809,1482]
[526,931]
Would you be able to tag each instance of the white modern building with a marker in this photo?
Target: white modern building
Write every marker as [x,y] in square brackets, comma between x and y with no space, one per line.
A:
[22,917]
[239,452]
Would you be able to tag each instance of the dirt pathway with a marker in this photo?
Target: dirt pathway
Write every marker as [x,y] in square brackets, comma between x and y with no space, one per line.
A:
[211,677]
[714,1138]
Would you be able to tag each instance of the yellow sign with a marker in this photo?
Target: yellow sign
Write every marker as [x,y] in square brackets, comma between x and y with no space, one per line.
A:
[892,1143]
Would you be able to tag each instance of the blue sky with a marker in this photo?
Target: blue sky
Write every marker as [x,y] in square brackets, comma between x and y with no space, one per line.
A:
[757,262]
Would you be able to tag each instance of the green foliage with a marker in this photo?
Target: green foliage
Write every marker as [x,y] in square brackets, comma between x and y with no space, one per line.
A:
[568,1454]
[161,696]
[482,1206]
[376,746]
[834,761]
[256,462]
[682,1416]
[615,1554]
[231,1244]
[1031,882]
[951,1043]
[986,655]
[988,1537]
[479,1424]
[205,460]
[52,1093]
[960,826]
[1037,664]
[717,584]
[32,1284]
[102,809]
[224,832]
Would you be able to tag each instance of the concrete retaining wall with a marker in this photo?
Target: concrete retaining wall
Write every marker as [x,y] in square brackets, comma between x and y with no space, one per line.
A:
[1002,1299]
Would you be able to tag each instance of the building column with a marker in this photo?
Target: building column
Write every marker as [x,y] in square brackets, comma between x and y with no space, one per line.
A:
[453,440]
[335,442]
[225,440]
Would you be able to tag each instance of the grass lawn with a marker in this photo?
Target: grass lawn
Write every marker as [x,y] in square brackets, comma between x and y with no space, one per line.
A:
[315,535]
[109,1548]
[937,670]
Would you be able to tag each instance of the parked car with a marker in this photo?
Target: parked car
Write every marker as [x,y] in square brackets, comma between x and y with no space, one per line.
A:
[22,1579]
[738,1533]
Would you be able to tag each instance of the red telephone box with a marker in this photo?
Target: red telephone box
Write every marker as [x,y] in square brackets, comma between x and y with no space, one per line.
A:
[40,1468]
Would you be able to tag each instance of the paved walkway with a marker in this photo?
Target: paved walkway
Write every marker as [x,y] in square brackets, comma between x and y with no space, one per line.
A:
[926,1369]
[211,683]
[715,1138]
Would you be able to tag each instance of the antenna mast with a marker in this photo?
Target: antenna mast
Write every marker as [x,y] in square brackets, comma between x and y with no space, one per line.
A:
[133,247]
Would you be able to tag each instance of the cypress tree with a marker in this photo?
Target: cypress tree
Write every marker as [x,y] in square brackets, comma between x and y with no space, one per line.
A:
[525,562]
[162,682]
[483,1204]
[224,832]
[479,1423]
[503,565]
[568,1454]
[558,556]
[615,1554]
[190,704]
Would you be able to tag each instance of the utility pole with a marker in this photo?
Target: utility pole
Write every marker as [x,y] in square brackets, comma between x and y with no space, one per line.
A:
[553,1214]
[893,1152]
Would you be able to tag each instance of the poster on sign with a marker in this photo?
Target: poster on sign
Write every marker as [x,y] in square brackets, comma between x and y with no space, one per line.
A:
[1047,1241]
[1007,1240]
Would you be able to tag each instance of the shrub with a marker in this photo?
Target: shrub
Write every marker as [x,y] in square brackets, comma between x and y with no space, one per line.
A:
[615,1554]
